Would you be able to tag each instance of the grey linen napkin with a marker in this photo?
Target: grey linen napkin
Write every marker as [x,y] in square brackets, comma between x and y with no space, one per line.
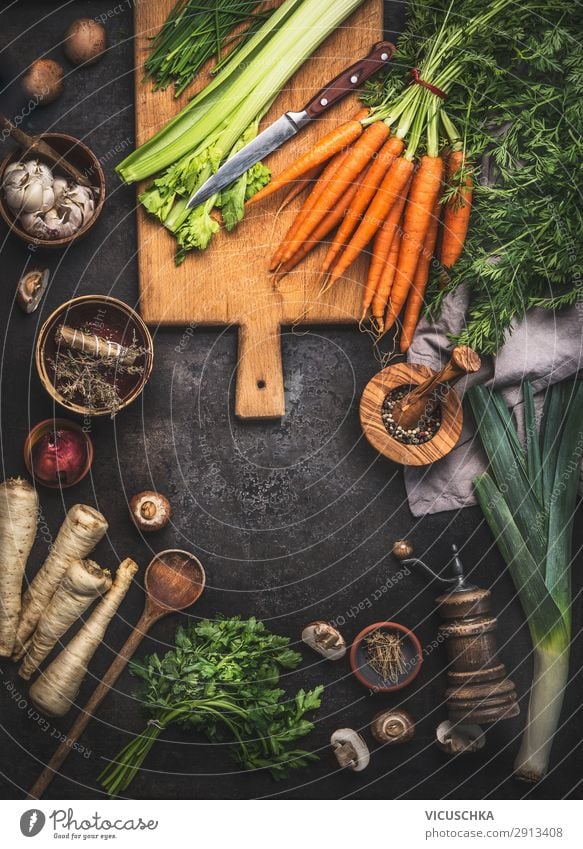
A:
[545,347]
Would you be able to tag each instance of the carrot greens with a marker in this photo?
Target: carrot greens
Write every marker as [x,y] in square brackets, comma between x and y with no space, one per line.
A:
[515,106]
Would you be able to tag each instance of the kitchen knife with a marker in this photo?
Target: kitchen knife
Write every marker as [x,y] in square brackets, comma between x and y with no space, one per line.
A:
[291,123]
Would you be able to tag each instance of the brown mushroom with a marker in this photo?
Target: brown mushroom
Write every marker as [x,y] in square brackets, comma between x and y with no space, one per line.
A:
[350,749]
[459,739]
[43,81]
[85,41]
[325,639]
[150,511]
[31,288]
[395,725]
[402,549]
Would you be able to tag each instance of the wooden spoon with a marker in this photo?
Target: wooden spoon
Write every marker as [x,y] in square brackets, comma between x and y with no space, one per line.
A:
[38,144]
[174,580]
[422,400]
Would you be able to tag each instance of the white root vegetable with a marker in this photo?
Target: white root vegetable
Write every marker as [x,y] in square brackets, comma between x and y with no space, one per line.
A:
[18,521]
[79,534]
[55,689]
[83,581]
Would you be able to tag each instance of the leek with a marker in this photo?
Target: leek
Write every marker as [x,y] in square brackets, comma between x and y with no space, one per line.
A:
[528,498]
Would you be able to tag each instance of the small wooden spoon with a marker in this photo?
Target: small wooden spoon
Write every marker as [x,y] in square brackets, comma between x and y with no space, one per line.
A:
[174,580]
[422,400]
[37,143]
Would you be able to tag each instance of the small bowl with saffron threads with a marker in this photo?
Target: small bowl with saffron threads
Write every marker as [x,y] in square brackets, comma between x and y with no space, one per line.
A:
[405,650]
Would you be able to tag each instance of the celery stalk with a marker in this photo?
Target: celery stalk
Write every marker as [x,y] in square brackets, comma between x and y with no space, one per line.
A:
[244,92]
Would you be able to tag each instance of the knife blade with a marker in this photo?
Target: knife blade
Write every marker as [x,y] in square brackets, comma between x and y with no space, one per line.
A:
[290,123]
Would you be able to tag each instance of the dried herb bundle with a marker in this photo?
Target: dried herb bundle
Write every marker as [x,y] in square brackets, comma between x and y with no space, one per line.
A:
[94,379]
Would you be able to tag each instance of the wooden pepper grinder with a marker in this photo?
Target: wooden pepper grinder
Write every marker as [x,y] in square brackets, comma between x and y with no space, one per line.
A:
[424,398]
[479,691]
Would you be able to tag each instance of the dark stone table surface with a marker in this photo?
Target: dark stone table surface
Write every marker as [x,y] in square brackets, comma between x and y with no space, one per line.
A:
[293,520]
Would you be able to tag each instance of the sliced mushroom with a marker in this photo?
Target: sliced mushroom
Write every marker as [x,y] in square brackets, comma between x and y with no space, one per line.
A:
[459,739]
[31,288]
[350,749]
[150,511]
[325,639]
[393,726]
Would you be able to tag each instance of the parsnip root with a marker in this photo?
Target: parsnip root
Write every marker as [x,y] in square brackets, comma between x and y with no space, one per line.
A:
[55,689]
[18,521]
[83,582]
[79,534]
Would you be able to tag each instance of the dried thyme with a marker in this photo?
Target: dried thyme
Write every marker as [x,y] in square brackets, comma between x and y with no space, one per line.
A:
[94,379]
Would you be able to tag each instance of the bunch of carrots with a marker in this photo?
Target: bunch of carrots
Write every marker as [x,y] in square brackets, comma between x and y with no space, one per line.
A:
[408,210]
[394,178]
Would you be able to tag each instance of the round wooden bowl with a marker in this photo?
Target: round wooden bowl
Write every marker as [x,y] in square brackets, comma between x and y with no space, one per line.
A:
[38,432]
[79,155]
[107,316]
[371,403]
[369,677]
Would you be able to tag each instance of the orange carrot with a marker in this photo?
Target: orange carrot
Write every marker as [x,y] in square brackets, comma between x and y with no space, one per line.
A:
[415,299]
[312,199]
[381,296]
[330,144]
[324,229]
[308,179]
[391,149]
[456,217]
[360,156]
[382,246]
[390,190]
[425,190]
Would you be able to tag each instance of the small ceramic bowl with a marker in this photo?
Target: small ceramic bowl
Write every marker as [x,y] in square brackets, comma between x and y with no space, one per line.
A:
[105,316]
[40,430]
[411,656]
[79,155]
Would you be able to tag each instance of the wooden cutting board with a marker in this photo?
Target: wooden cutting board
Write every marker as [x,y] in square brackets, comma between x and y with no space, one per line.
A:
[229,283]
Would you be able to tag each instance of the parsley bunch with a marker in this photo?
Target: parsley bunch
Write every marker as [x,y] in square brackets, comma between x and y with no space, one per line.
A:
[517,104]
[221,679]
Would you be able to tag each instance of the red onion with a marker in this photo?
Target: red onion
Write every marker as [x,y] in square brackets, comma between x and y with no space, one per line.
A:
[59,456]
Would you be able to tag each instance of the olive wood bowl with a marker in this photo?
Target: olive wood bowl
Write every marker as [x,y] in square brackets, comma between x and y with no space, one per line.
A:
[371,403]
[79,155]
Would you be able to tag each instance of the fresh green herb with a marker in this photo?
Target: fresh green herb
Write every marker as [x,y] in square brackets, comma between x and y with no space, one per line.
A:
[517,100]
[194,32]
[529,501]
[212,126]
[222,680]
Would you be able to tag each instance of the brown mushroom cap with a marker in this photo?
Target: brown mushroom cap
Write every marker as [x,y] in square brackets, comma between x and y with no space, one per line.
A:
[43,80]
[395,725]
[402,549]
[85,41]
[150,511]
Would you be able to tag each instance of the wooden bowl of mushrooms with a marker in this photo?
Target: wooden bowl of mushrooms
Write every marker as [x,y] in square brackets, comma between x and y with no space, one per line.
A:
[41,202]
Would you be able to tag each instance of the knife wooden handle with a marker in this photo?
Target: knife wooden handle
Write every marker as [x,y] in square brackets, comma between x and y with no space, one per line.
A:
[350,79]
